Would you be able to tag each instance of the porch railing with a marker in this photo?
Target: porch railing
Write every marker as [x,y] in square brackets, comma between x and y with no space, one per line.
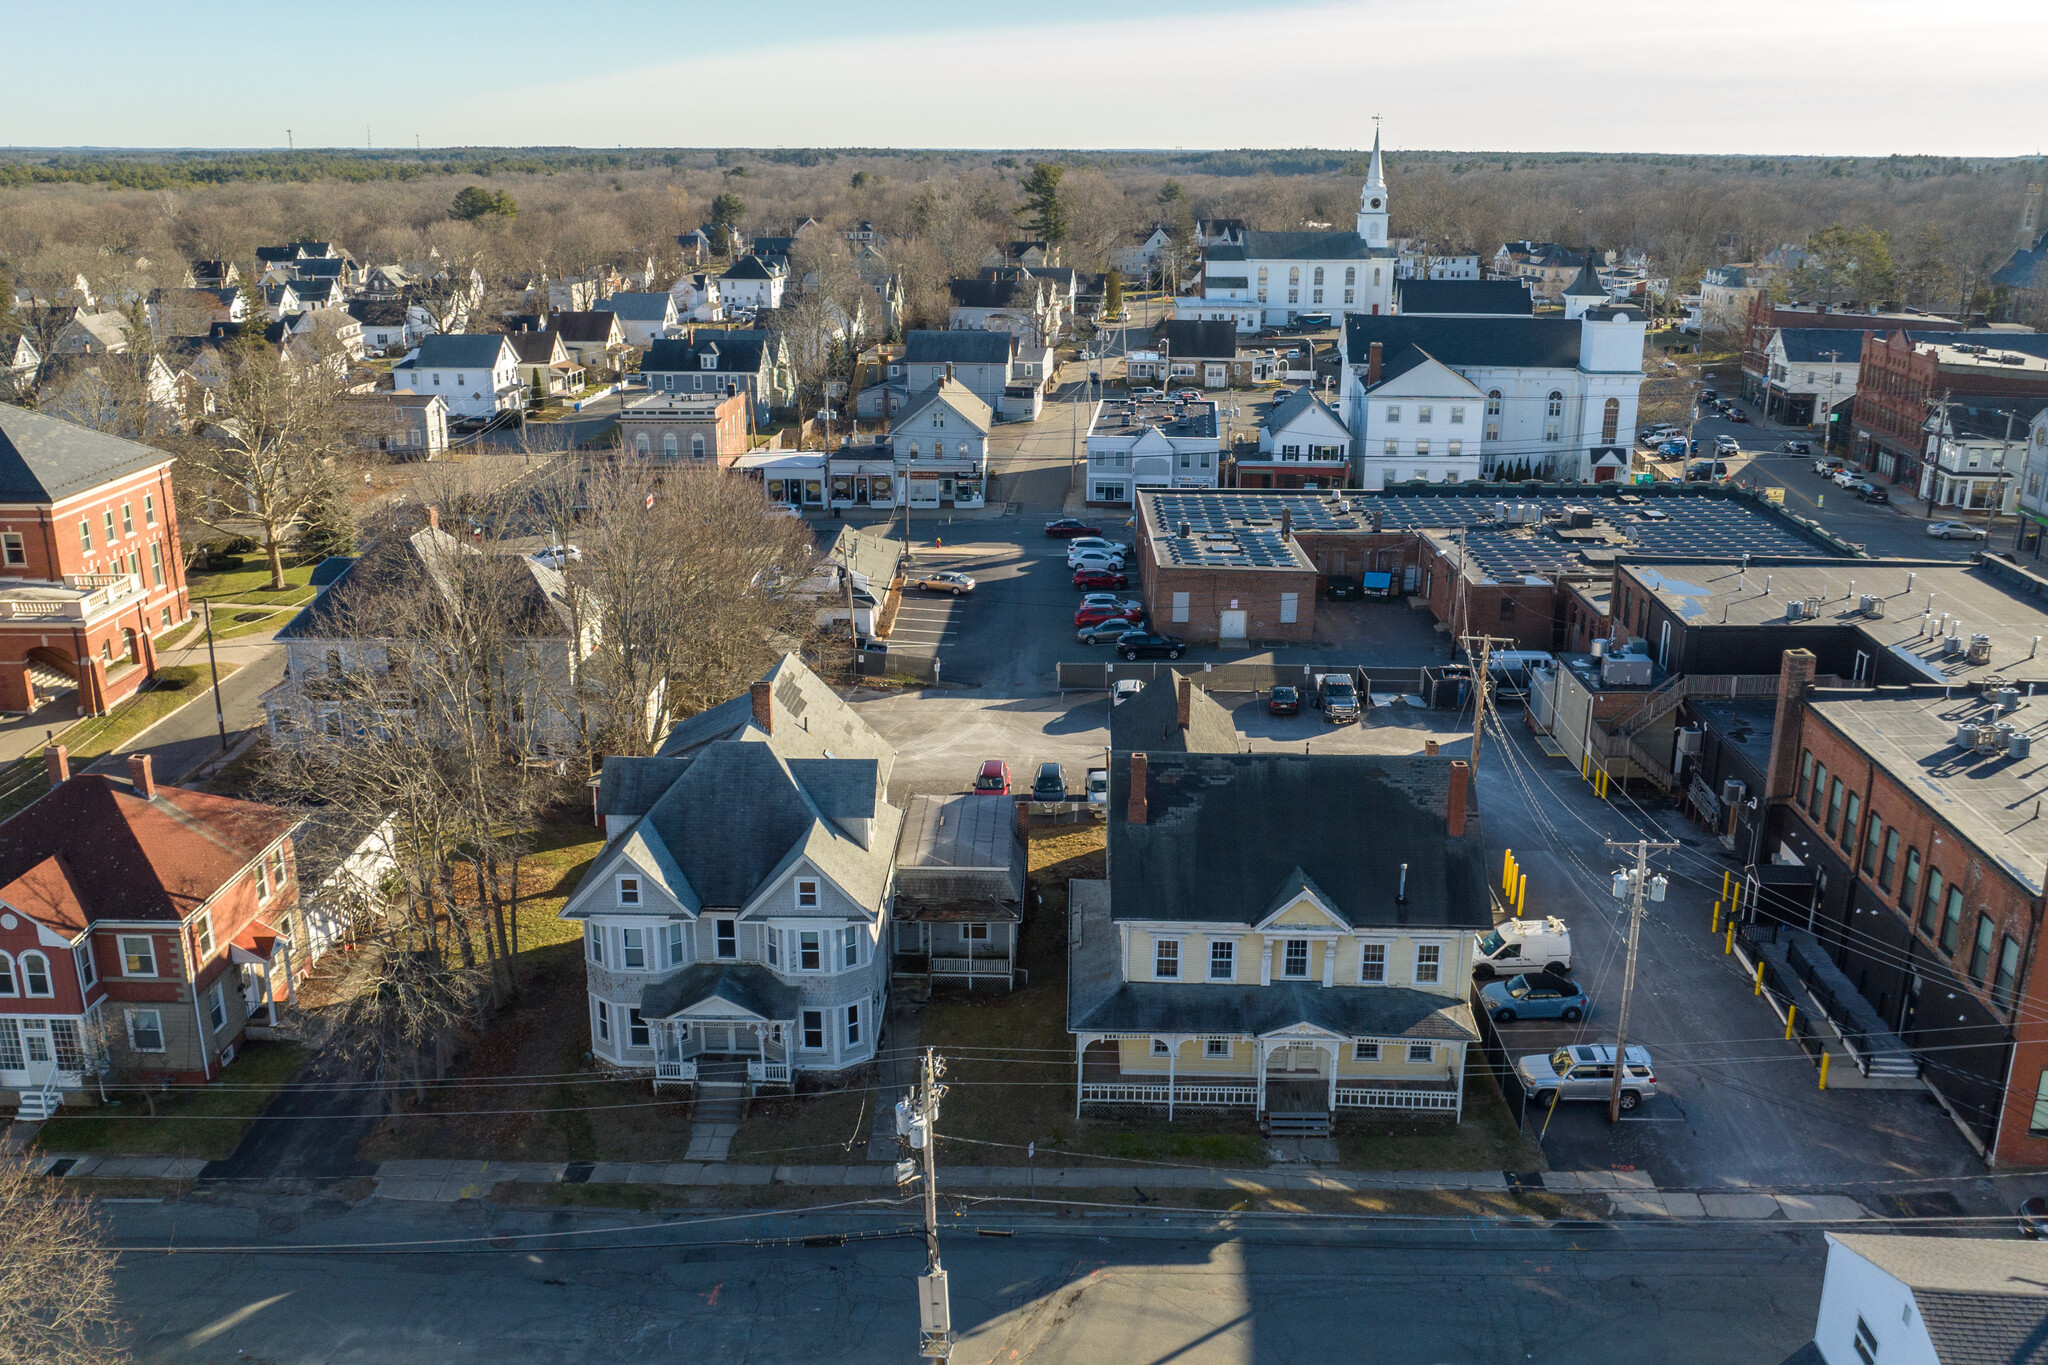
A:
[1141,1092]
[771,1073]
[1381,1097]
[675,1071]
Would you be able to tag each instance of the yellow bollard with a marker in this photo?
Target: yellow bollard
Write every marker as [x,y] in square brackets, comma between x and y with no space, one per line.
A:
[1759,980]
[1729,946]
[1726,877]
[1823,1070]
[1522,899]
[1507,868]
[1715,927]
[1735,901]
[1791,1013]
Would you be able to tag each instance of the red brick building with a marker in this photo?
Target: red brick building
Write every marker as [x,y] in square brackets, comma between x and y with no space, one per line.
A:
[686,428]
[1905,376]
[142,928]
[1767,318]
[89,566]
[1927,888]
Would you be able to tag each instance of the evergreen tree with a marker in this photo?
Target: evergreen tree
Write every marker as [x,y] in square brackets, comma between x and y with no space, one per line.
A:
[1042,209]
[1112,293]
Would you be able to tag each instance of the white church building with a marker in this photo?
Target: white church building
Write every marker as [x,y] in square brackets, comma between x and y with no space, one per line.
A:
[1269,279]
[1446,397]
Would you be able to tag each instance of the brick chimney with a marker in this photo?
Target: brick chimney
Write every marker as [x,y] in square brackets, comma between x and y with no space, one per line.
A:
[57,759]
[1136,813]
[1454,804]
[764,714]
[1286,522]
[1184,700]
[1372,364]
[1795,677]
[140,773]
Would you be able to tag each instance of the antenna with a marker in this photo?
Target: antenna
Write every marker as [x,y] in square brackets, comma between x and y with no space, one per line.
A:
[288,145]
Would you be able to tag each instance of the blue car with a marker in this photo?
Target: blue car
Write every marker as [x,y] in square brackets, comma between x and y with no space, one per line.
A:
[1678,448]
[1538,995]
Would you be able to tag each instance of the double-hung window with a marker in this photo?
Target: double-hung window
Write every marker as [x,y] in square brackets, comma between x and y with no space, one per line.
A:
[88,971]
[849,946]
[674,935]
[202,934]
[814,1030]
[138,955]
[853,1025]
[633,949]
[35,975]
[636,1029]
[1421,1054]
[1372,962]
[1365,1052]
[1980,951]
[1428,962]
[727,937]
[810,956]
[145,1030]
[1930,911]
[593,942]
[629,891]
[216,1008]
[1166,959]
[1216,1047]
[1222,959]
[604,1022]
[1951,920]
[1294,958]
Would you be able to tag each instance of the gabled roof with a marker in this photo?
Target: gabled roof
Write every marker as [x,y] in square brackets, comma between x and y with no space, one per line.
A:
[459,350]
[751,267]
[45,460]
[1224,833]
[745,988]
[1193,339]
[639,307]
[962,348]
[1295,404]
[594,326]
[379,312]
[1983,1300]
[1550,343]
[91,848]
[1506,298]
[1151,720]
[541,603]
[999,293]
[1410,358]
[1304,246]
[537,348]
[953,394]
[2027,268]
[1822,345]
[729,352]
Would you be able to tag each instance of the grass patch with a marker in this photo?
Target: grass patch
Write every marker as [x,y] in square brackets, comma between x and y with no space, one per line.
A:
[251,583]
[179,636]
[814,1128]
[175,688]
[1228,1149]
[204,1122]
[564,850]
[1487,1139]
[250,623]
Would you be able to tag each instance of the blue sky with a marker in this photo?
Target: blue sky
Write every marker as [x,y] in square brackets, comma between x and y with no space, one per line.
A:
[1766,76]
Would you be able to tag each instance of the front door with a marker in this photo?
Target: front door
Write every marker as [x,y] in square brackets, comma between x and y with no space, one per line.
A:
[1233,625]
[38,1049]
[1214,376]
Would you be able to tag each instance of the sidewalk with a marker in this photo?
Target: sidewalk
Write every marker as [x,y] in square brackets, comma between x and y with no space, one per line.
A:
[1629,1194]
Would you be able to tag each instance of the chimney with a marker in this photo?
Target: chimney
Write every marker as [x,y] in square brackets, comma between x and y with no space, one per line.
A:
[1136,814]
[140,774]
[1454,804]
[1372,364]
[949,370]
[57,759]
[1795,678]
[1286,522]
[434,517]
[1185,701]
[764,715]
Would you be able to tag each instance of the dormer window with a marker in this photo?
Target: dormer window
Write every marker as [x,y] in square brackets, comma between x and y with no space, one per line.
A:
[806,894]
[709,362]
[629,891]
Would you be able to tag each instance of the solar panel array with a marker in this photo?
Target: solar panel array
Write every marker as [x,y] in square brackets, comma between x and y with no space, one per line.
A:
[1241,529]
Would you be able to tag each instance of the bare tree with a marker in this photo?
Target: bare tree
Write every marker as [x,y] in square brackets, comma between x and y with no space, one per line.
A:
[56,1276]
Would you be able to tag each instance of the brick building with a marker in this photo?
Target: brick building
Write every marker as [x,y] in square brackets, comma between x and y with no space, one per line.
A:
[143,928]
[1906,376]
[89,564]
[1899,803]
[686,427]
[1766,319]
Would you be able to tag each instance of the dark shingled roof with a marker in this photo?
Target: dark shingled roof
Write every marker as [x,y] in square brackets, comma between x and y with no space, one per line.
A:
[1984,1300]
[749,268]
[962,348]
[590,326]
[1293,404]
[1305,246]
[1225,832]
[1587,285]
[459,350]
[1550,343]
[638,307]
[1503,298]
[1812,345]
[2027,268]
[1007,293]
[731,353]
[1151,721]
[44,459]
[379,312]
[1191,338]
[631,785]
[750,988]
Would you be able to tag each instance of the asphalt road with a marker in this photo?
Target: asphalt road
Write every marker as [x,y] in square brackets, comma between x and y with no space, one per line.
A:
[1115,1291]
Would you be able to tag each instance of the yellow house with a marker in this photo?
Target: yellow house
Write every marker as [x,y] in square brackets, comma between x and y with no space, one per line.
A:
[1286,933]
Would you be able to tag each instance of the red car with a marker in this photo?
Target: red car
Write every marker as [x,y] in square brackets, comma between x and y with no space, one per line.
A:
[1066,528]
[1100,578]
[1096,615]
[993,779]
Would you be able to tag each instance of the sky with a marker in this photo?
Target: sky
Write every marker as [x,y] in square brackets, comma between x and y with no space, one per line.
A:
[1783,77]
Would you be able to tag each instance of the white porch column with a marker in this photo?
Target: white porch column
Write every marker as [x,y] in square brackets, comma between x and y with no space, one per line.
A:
[1459,1079]
[1330,962]
[1266,963]
[1259,1061]
[1081,1041]
[1336,1052]
[1172,1064]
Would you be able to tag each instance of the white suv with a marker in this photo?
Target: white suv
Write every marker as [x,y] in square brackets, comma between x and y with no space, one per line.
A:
[1092,545]
[1585,1071]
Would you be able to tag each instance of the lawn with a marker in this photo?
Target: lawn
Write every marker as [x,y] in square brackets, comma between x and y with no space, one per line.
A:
[176,687]
[251,622]
[814,1128]
[204,1121]
[251,583]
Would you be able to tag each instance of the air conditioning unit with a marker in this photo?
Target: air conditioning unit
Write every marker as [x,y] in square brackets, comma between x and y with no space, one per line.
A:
[2008,699]
[1980,650]
[2020,745]
[1795,610]
[1812,608]
[1952,644]
[1966,734]
[1690,739]
[1870,604]
[1734,791]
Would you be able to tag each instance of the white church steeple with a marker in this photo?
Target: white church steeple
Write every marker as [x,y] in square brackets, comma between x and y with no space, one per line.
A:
[1372,200]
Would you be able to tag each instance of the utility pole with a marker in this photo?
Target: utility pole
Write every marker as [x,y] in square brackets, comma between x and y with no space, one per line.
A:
[1940,434]
[1480,681]
[1997,502]
[917,1121]
[213,666]
[1637,884]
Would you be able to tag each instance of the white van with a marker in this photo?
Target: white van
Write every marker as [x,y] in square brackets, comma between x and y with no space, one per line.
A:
[1523,945]
[1508,669]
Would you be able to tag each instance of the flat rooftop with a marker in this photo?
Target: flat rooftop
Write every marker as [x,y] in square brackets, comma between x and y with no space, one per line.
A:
[1991,799]
[1502,533]
[1174,419]
[1922,601]
[1747,726]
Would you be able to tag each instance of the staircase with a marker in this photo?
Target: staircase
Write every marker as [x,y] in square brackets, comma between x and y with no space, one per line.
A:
[39,1105]
[1295,1125]
[720,1076]
[1657,704]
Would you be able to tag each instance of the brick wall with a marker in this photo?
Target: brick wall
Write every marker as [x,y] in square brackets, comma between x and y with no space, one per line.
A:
[1211,592]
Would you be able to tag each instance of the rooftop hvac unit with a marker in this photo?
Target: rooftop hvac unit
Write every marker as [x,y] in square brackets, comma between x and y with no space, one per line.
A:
[1992,739]
[1980,649]
[1578,518]
[1600,648]
[2019,746]
[1870,604]
[1966,734]
[1795,610]
[2008,699]
[1812,608]
[1632,670]
[1690,739]
[1734,791]
[1952,644]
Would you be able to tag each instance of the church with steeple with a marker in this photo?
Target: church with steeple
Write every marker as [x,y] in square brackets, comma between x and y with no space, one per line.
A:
[1270,279]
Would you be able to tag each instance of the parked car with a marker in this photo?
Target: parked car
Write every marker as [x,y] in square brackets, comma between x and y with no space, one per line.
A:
[1585,1071]
[1738,416]
[1095,542]
[556,556]
[1955,530]
[1674,449]
[1826,466]
[1845,478]
[1795,447]
[1098,786]
[1188,396]
[1523,945]
[1336,698]
[1725,444]
[1096,559]
[993,779]
[1125,689]
[1105,632]
[1110,599]
[1069,527]
[1872,493]
[1861,487]
[1101,578]
[1283,701]
[1539,995]
[1096,615]
[1706,471]
[1709,395]
[1143,643]
[1051,783]
[943,581]
[1342,587]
